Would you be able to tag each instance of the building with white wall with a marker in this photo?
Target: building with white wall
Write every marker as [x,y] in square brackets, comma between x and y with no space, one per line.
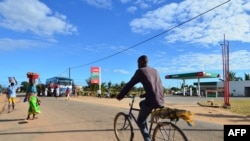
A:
[236,88]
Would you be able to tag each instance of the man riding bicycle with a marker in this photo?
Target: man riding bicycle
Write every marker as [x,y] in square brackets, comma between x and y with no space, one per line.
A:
[154,96]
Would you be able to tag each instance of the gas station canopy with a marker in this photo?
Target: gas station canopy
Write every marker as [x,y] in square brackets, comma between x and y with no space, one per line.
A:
[193,75]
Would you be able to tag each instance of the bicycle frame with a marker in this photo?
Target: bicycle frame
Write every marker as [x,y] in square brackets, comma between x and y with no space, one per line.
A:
[131,115]
[163,130]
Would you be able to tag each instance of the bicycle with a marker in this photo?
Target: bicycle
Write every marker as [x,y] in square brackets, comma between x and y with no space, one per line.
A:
[162,131]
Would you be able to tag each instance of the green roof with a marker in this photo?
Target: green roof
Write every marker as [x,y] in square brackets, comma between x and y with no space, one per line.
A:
[193,75]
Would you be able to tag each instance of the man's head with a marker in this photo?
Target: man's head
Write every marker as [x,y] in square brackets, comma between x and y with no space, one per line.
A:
[12,84]
[142,61]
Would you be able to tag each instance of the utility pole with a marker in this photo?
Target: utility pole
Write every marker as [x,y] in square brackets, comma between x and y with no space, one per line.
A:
[225,61]
[69,72]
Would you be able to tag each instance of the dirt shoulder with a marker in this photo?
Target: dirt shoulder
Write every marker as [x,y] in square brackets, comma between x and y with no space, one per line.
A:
[3,102]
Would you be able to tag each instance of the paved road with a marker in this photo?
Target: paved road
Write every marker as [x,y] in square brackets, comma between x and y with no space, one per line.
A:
[71,120]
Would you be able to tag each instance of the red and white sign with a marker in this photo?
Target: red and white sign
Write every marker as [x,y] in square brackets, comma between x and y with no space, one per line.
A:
[95,75]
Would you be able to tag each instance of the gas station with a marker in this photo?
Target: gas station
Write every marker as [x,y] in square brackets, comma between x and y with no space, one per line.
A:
[201,75]
[193,75]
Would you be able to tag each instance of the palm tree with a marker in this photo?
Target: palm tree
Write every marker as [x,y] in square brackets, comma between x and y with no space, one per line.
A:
[109,84]
[104,87]
[231,76]
[109,87]
[247,76]
[116,88]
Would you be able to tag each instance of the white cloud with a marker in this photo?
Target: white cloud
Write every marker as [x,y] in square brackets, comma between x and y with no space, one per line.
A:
[33,16]
[121,71]
[192,62]
[107,4]
[131,9]
[143,5]
[125,1]
[9,44]
[231,19]
[239,60]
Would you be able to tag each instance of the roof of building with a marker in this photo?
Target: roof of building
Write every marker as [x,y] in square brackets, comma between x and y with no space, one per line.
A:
[193,75]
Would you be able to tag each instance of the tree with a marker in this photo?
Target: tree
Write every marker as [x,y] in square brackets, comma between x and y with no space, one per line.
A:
[231,76]
[109,84]
[175,89]
[91,87]
[116,88]
[247,76]
[122,84]
[24,86]
[104,87]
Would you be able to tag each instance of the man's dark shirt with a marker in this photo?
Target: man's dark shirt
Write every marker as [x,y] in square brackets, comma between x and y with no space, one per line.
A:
[152,84]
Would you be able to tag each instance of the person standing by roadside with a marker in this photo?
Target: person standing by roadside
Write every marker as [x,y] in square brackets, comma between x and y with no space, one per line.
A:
[11,93]
[46,91]
[51,89]
[99,93]
[67,93]
[74,92]
[57,90]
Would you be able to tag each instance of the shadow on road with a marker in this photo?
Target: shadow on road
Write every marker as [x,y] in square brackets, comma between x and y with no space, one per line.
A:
[10,120]
[221,115]
[55,132]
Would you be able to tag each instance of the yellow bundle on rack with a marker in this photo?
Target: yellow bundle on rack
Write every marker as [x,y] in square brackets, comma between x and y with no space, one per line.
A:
[172,114]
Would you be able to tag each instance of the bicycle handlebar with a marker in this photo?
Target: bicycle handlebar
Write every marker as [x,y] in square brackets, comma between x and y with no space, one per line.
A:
[132,103]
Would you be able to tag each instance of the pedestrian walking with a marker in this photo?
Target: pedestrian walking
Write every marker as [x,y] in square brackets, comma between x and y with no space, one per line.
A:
[11,93]
[31,96]
[67,93]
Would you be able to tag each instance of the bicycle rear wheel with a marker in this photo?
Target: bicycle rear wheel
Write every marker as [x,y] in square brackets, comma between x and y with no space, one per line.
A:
[123,128]
[167,131]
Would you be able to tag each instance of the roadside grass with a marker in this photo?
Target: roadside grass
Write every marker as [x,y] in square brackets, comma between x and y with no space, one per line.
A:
[238,106]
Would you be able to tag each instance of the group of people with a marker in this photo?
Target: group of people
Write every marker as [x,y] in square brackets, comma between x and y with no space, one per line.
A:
[55,91]
[52,90]
[30,97]
[146,75]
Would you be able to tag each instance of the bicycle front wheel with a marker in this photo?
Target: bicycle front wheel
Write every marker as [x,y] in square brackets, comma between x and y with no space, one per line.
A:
[167,131]
[123,127]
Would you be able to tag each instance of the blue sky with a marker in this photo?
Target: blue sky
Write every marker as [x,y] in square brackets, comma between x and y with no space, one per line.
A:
[49,37]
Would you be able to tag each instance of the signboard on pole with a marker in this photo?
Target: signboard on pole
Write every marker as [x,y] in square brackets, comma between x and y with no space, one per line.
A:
[95,75]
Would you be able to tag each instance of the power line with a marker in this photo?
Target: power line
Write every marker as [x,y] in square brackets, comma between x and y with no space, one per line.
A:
[137,44]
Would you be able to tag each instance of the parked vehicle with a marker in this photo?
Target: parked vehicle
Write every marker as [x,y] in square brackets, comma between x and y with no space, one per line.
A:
[59,82]
[181,93]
